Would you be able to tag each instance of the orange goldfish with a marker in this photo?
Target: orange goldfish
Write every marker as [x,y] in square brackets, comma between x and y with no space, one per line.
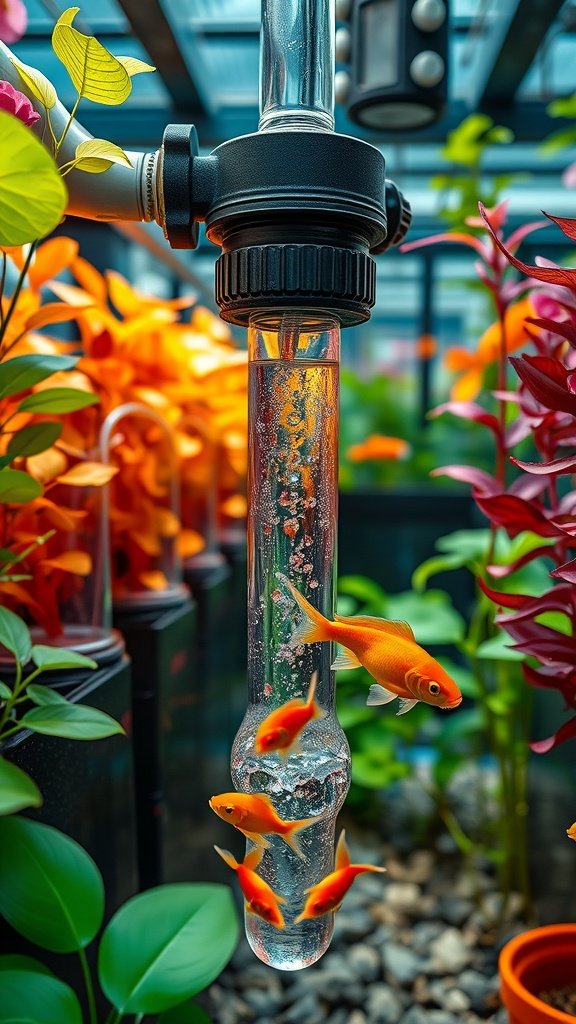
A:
[254,815]
[388,651]
[326,896]
[260,898]
[281,728]
[571,832]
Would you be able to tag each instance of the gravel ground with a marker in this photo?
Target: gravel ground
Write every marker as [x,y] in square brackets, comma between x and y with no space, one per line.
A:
[418,946]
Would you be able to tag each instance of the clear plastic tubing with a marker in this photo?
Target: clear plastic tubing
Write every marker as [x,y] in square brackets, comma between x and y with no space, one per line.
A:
[292,513]
[297,65]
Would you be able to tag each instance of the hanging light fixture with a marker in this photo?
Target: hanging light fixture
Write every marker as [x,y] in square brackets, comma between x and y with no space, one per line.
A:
[396,51]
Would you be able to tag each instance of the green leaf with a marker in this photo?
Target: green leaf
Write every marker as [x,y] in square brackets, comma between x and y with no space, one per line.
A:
[497,649]
[430,614]
[15,635]
[377,769]
[73,722]
[58,400]
[186,1013]
[19,962]
[134,66]
[49,658]
[559,621]
[564,107]
[5,692]
[432,566]
[18,486]
[96,74]
[165,945]
[444,767]
[35,438]
[44,696]
[17,790]
[97,155]
[30,997]
[33,196]
[461,726]
[50,889]
[364,590]
[469,544]
[36,83]
[23,372]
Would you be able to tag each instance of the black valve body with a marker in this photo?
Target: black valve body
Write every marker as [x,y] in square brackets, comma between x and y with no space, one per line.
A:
[295,213]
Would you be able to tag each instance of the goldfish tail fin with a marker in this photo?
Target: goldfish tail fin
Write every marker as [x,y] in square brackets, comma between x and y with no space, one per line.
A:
[369,867]
[290,835]
[312,689]
[313,627]
[227,857]
[253,858]
[342,853]
[301,917]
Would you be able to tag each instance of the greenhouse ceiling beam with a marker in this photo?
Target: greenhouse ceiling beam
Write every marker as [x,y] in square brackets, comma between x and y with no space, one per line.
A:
[152,27]
[505,57]
[142,126]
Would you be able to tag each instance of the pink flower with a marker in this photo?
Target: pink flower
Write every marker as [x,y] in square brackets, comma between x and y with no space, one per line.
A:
[16,103]
[13,20]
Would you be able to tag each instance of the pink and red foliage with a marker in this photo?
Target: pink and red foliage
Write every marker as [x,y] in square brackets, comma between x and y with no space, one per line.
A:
[533,501]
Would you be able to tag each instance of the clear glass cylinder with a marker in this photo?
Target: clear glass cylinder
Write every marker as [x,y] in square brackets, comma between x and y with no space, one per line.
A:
[292,520]
[297,65]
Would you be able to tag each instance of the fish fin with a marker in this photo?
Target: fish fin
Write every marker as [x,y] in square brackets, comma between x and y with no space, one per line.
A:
[279,899]
[294,748]
[290,835]
[227,857]
[253,858]
[312,689]
[394,626]
[248,908]
[337,907]
[405,705]
[344,660]
[312,629]
[342,852]
[255,837]
[378,694]
[371,867]
[301,917]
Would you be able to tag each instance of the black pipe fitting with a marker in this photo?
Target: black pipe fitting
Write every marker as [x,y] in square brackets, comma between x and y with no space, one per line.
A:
[296,215]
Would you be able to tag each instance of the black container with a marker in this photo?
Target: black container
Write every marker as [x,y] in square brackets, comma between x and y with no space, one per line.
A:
[160,639]
[88,785]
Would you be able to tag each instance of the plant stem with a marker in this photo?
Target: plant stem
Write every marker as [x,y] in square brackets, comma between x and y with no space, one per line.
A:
[17,290]
[114,1016]
[66,127]
[2,285]
[89,986]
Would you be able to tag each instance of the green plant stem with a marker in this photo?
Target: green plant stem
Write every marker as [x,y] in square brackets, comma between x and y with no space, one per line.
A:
[67,127]
[114,1016]
[2,286]
[88,985]
[17,290]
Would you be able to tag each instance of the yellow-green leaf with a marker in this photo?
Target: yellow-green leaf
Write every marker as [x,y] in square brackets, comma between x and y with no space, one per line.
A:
[33,196]
[97,155]
[134,66]
[95,72]
[36,83]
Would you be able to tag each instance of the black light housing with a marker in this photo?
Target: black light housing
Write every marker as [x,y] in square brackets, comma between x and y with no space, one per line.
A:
[398,63]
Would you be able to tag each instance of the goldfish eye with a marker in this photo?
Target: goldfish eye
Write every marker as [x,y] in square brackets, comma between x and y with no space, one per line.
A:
[229,809]
[434,688]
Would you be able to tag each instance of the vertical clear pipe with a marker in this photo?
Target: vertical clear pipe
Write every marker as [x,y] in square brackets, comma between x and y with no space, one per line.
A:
[292,517]
[297,65]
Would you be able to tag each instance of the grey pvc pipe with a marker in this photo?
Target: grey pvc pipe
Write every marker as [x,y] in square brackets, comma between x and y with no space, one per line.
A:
[120,193]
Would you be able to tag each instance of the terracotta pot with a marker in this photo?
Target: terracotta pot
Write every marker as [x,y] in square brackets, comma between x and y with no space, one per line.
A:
[540,959]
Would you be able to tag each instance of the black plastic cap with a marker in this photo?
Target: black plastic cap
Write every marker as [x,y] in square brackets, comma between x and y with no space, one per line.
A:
[399,217]
[292,276]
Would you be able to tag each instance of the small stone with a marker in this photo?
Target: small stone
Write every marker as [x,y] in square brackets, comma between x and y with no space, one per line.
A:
[401,964]
[263,1002]
[478,988]
[383,1005]
[340,1016]
[418,1015]
[308,1009]
[404,897]
[351,925]
[456,1001]
[380,935]
[420,866]
[454,910]
[364,961]
[448,953]
[357,1017]
[423,933]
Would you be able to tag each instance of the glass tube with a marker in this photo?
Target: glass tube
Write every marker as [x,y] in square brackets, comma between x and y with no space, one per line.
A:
[297,65]
[292,513]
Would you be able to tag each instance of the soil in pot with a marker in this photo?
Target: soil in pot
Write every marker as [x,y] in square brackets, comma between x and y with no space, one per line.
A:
[561,998]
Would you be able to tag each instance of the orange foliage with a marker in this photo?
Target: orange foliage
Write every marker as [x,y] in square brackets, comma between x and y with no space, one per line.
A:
[472,365]
[136,348]
[378,446]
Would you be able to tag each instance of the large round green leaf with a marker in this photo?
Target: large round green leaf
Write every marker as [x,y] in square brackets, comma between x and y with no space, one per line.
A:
[50,889]
[27,997]
[17,790]
[18,486]
[96,73]
[165,945]
[20,962]
[33,196]
[15,635]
